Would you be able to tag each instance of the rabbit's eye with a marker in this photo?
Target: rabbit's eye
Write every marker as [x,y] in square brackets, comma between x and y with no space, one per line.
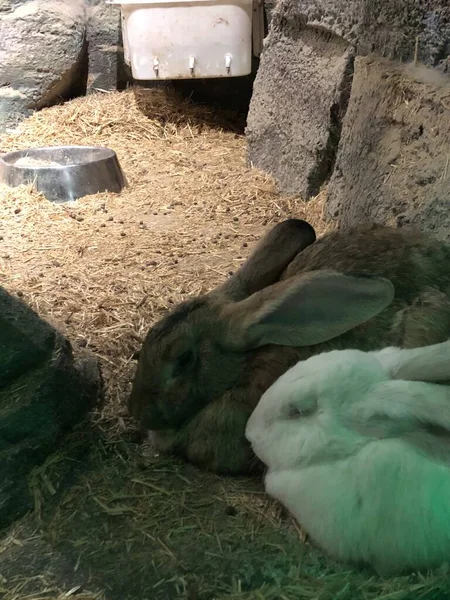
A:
[183,362]
[295,412]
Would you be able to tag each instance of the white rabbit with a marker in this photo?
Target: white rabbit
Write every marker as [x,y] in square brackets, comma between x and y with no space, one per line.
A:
[357,447]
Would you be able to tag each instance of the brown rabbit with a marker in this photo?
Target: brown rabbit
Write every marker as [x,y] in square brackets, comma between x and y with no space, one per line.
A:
[203,368]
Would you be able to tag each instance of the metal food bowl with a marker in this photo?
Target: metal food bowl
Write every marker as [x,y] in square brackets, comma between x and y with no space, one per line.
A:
[64,173]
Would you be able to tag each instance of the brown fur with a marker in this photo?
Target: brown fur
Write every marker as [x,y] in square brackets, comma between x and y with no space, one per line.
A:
[207,407]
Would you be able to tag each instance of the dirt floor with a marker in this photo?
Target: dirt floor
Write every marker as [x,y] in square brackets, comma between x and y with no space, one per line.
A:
[113,520]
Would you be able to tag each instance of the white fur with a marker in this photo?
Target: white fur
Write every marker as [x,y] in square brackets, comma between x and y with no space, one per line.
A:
[361,456]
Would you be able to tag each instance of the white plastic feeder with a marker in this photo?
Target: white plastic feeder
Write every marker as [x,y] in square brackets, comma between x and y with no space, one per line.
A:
[182,39]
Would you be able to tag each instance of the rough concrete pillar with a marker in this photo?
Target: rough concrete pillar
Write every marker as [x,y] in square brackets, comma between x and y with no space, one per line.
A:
[299,98]
[45,390]
[304,80]
[393,163]
[389,28]
[42,55]
[106,65]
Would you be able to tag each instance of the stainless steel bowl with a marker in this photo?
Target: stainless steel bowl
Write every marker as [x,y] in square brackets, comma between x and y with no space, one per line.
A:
[64,173]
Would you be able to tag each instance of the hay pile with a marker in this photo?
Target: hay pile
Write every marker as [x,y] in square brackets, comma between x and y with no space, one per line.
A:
[127,524]
[106,267]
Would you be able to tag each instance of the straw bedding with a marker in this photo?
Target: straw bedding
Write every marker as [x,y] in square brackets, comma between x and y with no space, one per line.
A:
[114,520]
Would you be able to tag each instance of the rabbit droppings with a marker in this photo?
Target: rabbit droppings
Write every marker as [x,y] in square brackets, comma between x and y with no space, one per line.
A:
[203,368]
[357,447]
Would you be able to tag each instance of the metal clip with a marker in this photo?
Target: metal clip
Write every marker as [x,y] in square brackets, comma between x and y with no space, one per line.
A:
[156,66]
[191,64]
[228,63]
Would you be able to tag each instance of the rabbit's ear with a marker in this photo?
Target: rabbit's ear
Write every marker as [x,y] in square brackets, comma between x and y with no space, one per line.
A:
[404,406]
[430,363]
[306,310]
[269,259]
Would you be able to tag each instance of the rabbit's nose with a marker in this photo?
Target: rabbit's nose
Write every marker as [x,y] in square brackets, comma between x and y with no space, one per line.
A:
[150,416]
